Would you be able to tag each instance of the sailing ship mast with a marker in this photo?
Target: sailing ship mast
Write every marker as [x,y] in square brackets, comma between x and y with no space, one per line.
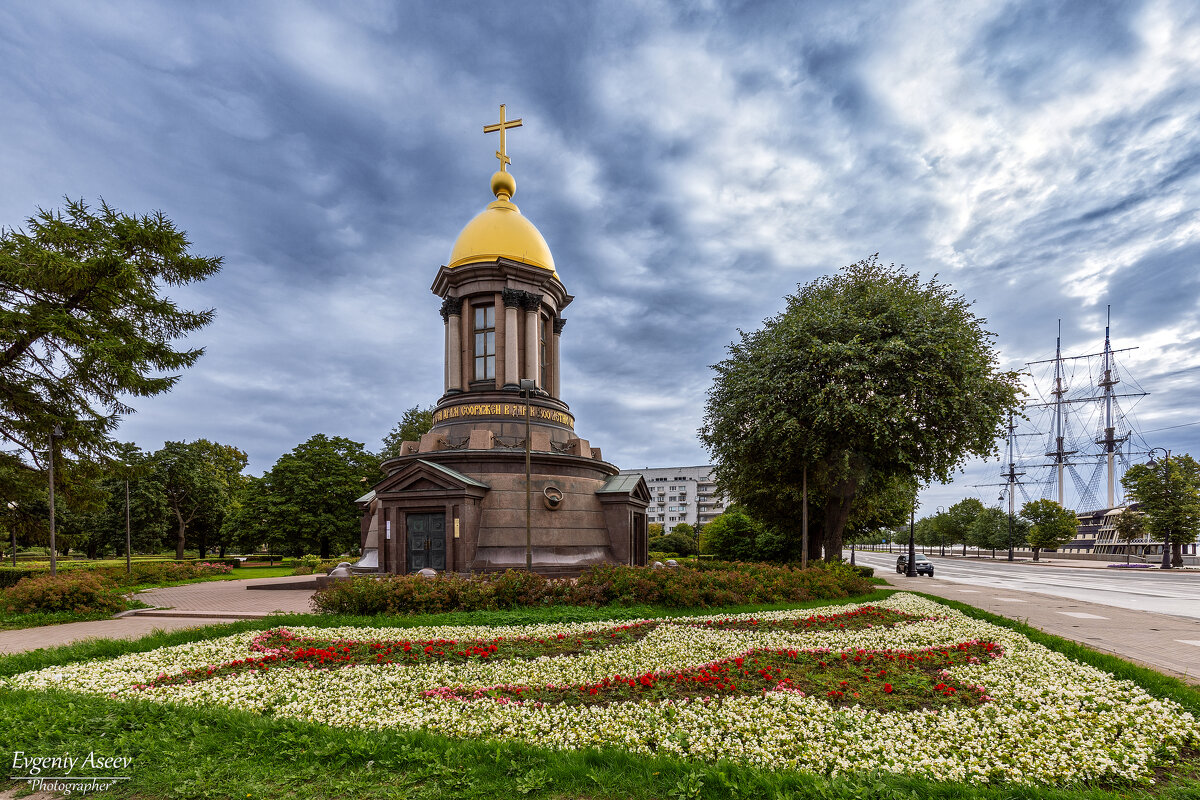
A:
[1063,403]
[1110,440]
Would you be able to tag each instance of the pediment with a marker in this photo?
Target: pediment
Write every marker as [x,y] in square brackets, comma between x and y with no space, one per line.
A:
[630,484]
[426,476]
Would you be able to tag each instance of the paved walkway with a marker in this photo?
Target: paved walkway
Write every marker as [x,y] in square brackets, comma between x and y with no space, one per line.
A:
[230,598]
[1166,643]
[190,606]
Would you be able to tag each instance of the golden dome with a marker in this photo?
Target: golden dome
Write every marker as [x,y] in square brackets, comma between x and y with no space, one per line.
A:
[500,231]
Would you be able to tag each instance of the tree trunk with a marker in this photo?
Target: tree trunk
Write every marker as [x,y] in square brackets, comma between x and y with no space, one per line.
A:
[1035,553]
[324,549]
[221,550]
[837,511]
[203,546]
[814,547]
[1177,554]
[179,537]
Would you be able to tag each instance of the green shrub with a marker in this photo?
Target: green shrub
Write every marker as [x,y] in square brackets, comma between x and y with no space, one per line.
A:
[703,585]
[675,543]
[10,576]
[80,592]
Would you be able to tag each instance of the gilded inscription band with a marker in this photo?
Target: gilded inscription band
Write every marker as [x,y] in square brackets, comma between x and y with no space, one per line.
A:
[514,410]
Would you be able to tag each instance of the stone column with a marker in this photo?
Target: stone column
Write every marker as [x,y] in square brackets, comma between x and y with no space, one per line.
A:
[512,300]
[533,308]
[555,383]
[466,344]
[452,316]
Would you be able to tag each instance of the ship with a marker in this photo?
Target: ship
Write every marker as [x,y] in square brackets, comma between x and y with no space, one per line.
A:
[1074,440]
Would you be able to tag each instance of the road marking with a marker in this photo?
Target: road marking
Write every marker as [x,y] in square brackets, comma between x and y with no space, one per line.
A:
[1195,642]
[1009,600]
[968,591]
[1080,615]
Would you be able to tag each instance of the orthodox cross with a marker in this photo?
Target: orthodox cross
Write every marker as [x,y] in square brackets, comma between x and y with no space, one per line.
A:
[502,126]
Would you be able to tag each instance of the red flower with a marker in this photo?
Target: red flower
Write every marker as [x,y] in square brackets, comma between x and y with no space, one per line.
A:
[887,688]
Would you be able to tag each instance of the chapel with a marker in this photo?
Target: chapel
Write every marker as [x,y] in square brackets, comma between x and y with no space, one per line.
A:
[502,480]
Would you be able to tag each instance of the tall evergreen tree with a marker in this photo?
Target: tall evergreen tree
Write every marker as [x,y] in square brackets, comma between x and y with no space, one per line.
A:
[84,324]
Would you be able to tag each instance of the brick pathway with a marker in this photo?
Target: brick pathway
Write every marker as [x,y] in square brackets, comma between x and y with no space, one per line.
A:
[1166,643]
[190,606]
[230,597]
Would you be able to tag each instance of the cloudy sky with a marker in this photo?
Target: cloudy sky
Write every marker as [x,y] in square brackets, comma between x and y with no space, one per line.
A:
[688,163]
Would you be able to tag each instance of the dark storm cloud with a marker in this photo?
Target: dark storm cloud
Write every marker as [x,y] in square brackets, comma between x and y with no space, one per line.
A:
[689,164]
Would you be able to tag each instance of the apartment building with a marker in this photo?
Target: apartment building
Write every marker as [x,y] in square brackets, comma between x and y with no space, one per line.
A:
[680,494]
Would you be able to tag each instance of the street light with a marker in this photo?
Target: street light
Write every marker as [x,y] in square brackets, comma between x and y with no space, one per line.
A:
[56,432]
[128,559]
[528,387]
[942,532]
[910,570]
[1166,559]
[12,509]
[1010,524]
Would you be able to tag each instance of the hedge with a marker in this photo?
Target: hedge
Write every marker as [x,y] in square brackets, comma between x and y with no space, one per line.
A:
[703,585]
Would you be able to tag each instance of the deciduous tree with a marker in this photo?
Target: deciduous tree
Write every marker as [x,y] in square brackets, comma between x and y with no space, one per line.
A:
[1168,493]
[1050,525]
[867,372]
[198,479]
[309,495]
[415,422]
[1129,526]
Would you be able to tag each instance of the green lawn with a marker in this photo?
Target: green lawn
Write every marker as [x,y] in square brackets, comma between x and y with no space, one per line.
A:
[189,752]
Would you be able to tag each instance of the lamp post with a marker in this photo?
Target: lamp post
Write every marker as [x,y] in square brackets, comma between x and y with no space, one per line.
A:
[910,570]
[57,431]
[1166,559]
[528,386]
[128,558]
[942,532]
[12,511]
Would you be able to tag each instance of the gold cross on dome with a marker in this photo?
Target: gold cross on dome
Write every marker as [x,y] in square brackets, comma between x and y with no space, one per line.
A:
[502,126]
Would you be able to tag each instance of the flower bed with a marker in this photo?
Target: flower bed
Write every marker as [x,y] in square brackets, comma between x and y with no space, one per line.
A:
[959,699]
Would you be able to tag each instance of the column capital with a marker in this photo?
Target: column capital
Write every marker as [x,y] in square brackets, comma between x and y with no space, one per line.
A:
[531,301]
[559,322]
[513,298]
[451,307]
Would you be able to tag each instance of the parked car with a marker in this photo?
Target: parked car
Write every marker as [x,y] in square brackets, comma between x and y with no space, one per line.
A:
[924,565]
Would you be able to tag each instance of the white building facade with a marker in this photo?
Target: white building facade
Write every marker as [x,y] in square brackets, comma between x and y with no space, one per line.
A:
[680,494]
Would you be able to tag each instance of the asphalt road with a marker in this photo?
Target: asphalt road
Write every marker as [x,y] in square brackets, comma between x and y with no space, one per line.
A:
[1175,592]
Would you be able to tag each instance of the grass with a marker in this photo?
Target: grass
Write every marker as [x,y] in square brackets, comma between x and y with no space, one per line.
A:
[218,752]
[238,574]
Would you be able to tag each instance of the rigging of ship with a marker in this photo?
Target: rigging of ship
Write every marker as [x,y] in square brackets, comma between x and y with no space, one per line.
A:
[1077,436]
